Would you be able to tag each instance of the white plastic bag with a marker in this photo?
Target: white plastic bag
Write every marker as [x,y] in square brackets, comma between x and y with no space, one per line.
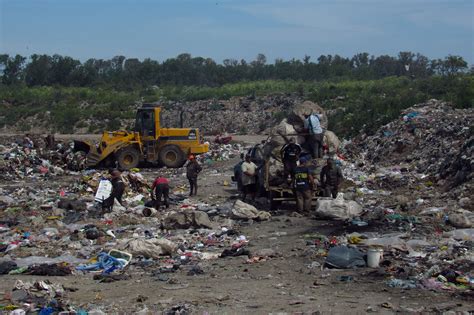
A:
[337,209]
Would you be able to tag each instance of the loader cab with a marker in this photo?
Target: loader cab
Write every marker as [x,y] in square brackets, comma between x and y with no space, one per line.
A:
[147,122]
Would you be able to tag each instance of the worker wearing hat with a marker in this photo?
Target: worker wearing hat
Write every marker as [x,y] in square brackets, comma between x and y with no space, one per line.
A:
[192,170]
[312,125]
[303,186]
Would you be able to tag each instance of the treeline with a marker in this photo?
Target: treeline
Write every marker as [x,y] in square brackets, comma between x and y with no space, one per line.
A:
[127,73]
[356,105]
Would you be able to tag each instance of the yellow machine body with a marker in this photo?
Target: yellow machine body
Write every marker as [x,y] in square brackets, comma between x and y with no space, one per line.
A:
[149,142]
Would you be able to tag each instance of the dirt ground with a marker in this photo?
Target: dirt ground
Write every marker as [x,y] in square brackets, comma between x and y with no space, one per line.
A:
[284,284]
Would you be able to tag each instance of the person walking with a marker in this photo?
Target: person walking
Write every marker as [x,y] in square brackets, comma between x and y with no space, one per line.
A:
[331,178]
[249,178]
[312,125]
[192,170]
[159,188]
[303,186]
[290,153]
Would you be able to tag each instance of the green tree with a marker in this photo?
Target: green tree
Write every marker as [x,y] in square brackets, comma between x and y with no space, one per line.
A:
[454,64]
[12,72]
[38,70]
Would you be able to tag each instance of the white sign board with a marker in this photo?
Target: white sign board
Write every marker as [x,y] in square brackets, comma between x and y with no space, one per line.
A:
[104,190]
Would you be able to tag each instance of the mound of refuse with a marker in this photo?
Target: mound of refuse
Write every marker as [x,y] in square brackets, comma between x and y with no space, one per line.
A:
[433,138]
[292,127]
[33,158]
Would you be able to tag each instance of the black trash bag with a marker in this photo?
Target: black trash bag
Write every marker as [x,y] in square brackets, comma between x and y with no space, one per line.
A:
[7,266]
[71,204]
[344,257]
[234,252]
[49,270]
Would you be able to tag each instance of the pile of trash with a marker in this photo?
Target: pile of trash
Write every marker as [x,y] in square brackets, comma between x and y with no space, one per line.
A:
[220,152]
[41,297]
[61,230]
[241,115]
[405,261]
[31,157]
[418,167]
[407,205]
[292,127]
[432,139]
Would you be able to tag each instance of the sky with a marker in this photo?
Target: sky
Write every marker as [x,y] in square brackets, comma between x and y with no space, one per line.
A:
[237,29]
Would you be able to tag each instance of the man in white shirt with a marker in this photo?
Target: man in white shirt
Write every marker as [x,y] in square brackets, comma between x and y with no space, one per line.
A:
[249,175]
[312,125]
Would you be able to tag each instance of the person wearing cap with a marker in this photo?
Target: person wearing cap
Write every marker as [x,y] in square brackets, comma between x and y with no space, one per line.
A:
[249,178]
[312,125]
[160,187]
[290,153]
[303,186]
[192,170]
[118,188]
[331,178]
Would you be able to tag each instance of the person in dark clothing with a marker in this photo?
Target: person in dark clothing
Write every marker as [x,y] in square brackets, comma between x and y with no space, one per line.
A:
[192,170]
[50,142]
[331,178]
[159,188]
[118,188]
[249,178]
[303,186]
[290,153]
[238,173]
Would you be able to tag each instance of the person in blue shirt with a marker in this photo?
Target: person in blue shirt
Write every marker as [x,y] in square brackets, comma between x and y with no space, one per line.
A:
[312,125]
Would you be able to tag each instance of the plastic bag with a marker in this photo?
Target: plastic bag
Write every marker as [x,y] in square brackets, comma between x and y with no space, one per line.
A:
[337,209]
[345,257]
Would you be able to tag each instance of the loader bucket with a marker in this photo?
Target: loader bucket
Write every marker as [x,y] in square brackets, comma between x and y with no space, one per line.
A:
[81,146]
[93,157]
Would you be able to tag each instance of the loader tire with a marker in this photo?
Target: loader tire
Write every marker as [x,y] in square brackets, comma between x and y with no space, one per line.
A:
[172,156]
[128,158]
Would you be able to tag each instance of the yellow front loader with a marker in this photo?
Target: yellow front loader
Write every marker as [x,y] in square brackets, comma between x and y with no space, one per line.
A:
[149,142]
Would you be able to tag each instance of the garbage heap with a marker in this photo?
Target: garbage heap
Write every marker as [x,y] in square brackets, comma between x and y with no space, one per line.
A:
[220,152]
[413,179]
[293,127]
[244,115]
[433,140]
[32,158]
[57,228]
